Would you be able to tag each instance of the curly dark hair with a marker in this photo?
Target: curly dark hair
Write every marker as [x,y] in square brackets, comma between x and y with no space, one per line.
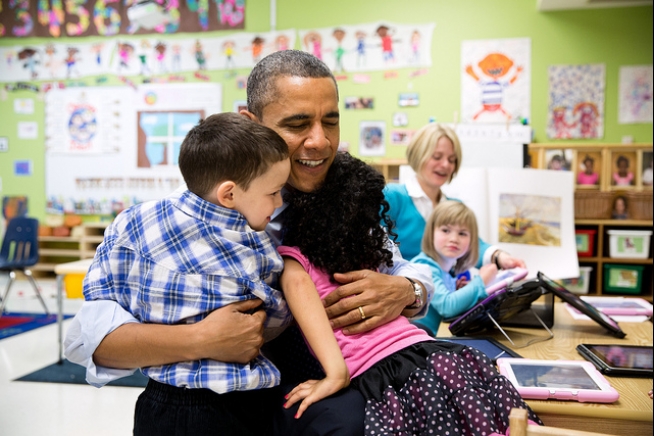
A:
[339,227]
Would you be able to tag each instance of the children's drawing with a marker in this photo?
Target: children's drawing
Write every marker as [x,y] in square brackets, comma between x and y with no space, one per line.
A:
[635,94]
[313,44]
[160,55]
[495,80]
[371,46]
[31,59]
[228,51]
[372,138]
[125,52]
[415,47]
[339,34]
[257,48]
[200,57]
[281,42]
[530,219]
[51,61]
[386,34]
[576,105]
[71,60]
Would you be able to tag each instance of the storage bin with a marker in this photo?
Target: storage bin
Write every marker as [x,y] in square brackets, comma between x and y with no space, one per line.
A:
[623,279]
[579,285]
[593,205]
[73,285]
[632,244]
[639,205]
[585,239]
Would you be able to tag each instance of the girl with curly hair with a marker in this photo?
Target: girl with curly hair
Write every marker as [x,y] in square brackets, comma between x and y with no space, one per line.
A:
[411,383]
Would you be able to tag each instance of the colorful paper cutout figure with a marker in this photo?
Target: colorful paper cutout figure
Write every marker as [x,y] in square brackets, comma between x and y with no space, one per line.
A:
[495,66]
[200,57]
[313,43]
[339,34]
[160,50]
[361,47]
[387,43]
[125,52]
[30,58]
[71,60]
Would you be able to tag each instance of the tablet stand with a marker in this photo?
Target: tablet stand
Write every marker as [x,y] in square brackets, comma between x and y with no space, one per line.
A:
[544,308]
[530,342]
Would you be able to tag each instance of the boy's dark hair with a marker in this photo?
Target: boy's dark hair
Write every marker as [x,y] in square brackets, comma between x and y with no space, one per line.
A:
[621,159]
[261,86]
[228,146]
[338,227]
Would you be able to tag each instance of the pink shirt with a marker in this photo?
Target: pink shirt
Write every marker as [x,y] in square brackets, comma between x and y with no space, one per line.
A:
[587,179]
[623,181]
[363,350]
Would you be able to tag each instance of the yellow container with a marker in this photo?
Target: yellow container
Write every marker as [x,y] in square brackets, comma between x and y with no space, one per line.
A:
[73,285]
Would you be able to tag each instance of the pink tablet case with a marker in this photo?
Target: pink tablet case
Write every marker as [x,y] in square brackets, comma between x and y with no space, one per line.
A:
[511,276]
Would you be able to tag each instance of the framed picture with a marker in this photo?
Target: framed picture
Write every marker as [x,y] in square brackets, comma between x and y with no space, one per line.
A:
[240,105]
[588,169]
[623,168]
[558,159]
[646,174]
[372,138]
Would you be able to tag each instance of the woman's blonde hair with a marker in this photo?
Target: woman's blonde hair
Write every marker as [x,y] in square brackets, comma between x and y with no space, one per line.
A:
[423,142]
[452,212]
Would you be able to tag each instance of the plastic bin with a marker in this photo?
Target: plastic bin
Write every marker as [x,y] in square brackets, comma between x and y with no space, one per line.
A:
[585,239]
[73,285]
[623,279]
[632,244]
[579,285]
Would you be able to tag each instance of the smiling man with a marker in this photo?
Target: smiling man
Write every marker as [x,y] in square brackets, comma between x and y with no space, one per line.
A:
[295,94]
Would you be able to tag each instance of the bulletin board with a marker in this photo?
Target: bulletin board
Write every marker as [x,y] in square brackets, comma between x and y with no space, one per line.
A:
[108,148]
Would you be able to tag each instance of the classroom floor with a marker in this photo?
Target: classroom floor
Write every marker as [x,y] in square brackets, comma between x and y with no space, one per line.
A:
[45,409]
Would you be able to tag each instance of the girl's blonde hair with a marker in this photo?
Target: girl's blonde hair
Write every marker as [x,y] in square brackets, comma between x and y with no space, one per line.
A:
[422,145]
[452,212]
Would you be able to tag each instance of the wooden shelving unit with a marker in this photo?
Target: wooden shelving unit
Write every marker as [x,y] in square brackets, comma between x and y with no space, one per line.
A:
[390,168]
[603,194]
[54,250]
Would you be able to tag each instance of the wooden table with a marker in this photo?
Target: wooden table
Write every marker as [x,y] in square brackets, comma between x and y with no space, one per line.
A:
[77,267]
[631,415]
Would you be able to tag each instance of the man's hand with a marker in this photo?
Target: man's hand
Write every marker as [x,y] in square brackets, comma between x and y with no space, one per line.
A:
[381,297]
[232,333]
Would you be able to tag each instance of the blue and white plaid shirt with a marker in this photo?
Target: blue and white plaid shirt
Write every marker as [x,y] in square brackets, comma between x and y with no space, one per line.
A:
[175,260]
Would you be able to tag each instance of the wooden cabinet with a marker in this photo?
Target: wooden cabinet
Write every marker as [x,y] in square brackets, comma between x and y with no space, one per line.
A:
[595,199]
[390,168]
[600,256]
[54,250]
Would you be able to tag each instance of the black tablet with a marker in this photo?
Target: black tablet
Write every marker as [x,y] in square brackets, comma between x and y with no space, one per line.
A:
[502,305]
[487,345]
[587,309]
[620,360]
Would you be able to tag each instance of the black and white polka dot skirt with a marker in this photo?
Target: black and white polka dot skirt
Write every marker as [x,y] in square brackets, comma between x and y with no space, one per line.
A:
[437,388]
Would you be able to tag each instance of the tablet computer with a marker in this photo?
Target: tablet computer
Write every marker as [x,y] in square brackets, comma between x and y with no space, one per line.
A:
[487,345]
[506,278]
[620,360]
[620,305]
[587,309]
[572,380]
[500,305]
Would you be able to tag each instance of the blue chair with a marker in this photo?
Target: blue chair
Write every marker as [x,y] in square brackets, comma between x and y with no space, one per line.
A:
[20,250]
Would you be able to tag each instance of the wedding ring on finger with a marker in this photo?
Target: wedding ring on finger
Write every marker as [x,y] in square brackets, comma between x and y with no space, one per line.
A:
[363,315]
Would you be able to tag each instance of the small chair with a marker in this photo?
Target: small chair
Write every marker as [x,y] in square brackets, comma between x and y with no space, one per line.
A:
[20,250]
[519,427]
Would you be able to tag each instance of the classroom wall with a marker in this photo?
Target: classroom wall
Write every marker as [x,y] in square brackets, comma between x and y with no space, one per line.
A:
[613,36]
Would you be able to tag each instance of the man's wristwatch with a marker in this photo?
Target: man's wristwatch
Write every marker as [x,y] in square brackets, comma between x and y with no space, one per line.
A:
[417,290]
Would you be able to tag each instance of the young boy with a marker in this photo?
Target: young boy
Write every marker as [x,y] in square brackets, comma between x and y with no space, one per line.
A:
[175,260]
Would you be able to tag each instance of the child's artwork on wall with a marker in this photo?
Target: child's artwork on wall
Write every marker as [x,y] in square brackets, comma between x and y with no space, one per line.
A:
[14,206]
[359,102]
[576,104]
[495,80]
[127,160]
[54,19]
[370,46]
[372,138]
[408,99]
[636,90]
[401,136]
[87,120]
[145,57]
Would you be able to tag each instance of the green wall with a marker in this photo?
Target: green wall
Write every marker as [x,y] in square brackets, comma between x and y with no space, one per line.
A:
[613,36]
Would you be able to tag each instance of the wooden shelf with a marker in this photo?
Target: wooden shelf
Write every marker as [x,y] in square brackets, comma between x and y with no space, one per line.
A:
[54,250]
